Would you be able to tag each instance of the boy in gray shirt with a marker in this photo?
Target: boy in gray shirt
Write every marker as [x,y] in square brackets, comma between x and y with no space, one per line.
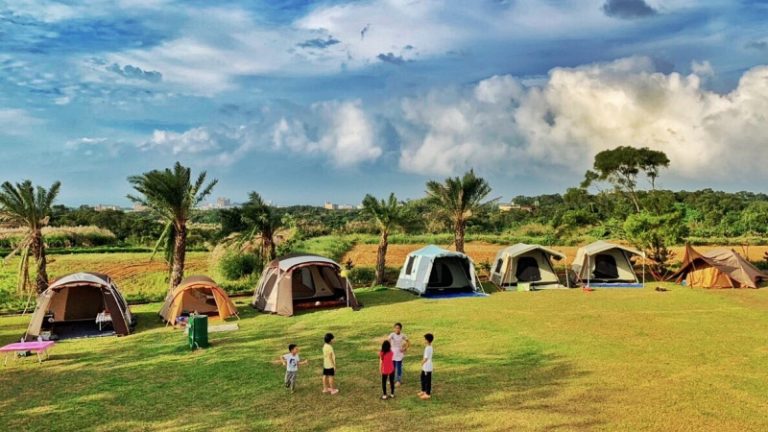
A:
[291,361]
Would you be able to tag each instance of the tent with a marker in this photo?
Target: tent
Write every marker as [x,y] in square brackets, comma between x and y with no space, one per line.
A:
[198,294]
[526,263]
[432,270]
[719,268]
[606,264]
[302,281]
[69,308]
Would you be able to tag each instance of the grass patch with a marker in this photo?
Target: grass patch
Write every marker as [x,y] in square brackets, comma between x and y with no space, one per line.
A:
[613,359]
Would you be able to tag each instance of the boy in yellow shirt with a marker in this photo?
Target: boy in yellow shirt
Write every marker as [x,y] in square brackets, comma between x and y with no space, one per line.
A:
[329,365]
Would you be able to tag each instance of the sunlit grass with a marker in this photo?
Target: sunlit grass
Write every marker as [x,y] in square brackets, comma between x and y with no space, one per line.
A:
[632,359]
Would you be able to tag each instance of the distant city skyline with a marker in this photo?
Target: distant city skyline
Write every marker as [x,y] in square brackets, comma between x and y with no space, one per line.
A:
[307,102]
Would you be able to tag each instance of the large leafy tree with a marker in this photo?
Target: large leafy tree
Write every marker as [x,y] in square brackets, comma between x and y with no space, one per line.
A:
[622,165]
[388,214]
[459,199]
[24,205]
[172,196]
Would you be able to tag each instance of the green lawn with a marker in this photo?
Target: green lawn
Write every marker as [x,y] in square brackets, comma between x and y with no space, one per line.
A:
[633,359]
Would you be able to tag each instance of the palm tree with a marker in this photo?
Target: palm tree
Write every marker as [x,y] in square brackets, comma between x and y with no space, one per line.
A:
[24,205]
[171,195]
[262,224]
[459,199]
[387,214]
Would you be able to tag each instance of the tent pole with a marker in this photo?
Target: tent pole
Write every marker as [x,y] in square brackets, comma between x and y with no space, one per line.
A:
[643,269]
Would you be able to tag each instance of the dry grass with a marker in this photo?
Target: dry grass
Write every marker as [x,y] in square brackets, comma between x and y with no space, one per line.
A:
[365,254]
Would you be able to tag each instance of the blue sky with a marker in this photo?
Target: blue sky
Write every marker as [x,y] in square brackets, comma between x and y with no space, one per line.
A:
[313,101]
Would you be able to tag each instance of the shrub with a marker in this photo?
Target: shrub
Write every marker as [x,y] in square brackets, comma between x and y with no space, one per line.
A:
[236,265]
[361,276]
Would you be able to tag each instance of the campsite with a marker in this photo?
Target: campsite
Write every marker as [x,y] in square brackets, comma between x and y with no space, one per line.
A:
[383,215]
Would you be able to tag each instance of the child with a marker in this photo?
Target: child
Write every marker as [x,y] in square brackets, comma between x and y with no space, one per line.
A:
[400,345]
[291,361]
[426,368]
[387,369]
[329,365]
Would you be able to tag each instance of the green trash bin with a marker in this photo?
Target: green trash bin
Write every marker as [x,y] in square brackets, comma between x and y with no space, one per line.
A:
[198,331]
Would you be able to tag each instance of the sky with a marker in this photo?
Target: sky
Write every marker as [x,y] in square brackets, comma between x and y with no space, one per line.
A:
[307,102]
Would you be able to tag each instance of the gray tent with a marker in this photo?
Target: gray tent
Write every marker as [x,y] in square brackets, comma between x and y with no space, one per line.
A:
[434,269]
[524,263]
[70,306]
[606,263]
[302,281]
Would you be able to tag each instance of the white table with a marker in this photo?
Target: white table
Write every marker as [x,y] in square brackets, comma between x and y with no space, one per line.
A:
[103,317]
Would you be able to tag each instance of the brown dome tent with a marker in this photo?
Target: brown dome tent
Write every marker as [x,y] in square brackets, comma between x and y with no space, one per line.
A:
[198,294]
[302,281]
[718,268]
[81,305]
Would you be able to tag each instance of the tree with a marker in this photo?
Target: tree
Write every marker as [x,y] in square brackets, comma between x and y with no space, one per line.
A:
[621,166]
[459,199]
[654,234]
[387,214]
[171,195]
[27,206]
[259,222]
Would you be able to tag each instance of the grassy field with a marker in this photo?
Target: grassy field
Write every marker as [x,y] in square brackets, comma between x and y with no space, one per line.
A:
[633,359]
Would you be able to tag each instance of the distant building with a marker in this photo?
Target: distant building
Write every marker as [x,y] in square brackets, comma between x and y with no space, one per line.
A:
[105,207]
[223,203]
[330,206]
[345,207]
[512,206]
[139,208]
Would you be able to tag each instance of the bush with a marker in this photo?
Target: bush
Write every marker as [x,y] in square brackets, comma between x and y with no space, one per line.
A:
[361,276]
[236,265]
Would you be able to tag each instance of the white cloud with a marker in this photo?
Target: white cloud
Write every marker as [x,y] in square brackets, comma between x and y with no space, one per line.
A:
[343,133]
[702,69]
[500,124]
[193,141]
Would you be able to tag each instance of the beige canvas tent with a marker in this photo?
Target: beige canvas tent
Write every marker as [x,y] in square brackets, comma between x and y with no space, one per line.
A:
[197,294]
[719,268]
[81,305]
[607,264]
[302,281]
[524,263]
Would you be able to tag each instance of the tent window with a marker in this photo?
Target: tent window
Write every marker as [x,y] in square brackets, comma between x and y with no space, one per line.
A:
[409,266]
[498,266]
[306,278]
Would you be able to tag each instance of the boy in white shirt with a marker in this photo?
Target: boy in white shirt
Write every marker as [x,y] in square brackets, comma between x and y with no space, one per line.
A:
[291,361]
[400,345]
[426,368]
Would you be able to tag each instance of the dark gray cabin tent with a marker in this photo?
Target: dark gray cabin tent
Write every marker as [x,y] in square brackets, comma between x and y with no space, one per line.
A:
[69,307]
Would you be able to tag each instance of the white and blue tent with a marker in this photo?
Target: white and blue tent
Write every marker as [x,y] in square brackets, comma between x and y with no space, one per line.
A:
[434,270]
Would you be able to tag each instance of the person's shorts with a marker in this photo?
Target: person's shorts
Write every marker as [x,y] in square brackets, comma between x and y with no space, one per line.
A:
[329,372]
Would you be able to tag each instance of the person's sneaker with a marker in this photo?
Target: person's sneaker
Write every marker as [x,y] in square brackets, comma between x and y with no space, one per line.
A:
[384,397]
[398,384]
[425,396]
[326,391]
[420,393]
[334,391]
[392,396]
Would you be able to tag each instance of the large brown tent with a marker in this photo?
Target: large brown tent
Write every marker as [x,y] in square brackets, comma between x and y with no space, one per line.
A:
[302,281]
[198,294]
[70,306]
[718,268]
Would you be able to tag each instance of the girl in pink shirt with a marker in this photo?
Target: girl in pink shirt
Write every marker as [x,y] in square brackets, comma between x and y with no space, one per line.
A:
[387,369]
